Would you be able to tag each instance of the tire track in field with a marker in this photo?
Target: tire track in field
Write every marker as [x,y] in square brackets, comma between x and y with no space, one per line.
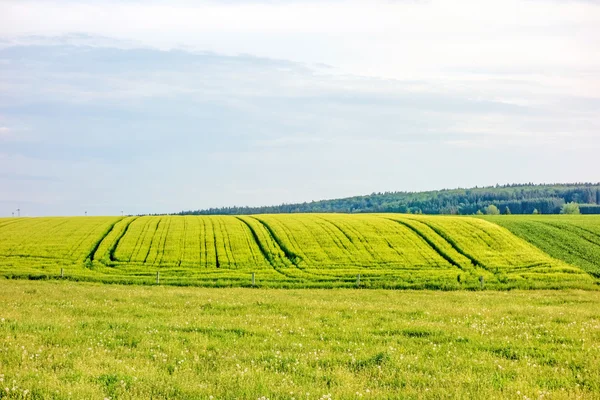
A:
[292,240]
[163,238]
[73,249]
[491,240]
[113,247]
[454,245]
[152,240]
[74,246]
[363,240]
[566,247]
[573,229]
[92,253]
[204,250]
[366,246]
[212,225]
[140,239]
[182,242]
[227,245]
[431,243]
[336,226]
[265,252]
[254,256]
[402,256]
[288,254]
[7,223]
[327,227]
[310,232]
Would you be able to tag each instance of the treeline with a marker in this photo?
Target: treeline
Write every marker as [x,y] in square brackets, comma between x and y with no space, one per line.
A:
[516,199]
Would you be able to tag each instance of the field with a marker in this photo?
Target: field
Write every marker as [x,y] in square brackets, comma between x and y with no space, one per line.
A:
[574,239]
[307,250]
[66,340]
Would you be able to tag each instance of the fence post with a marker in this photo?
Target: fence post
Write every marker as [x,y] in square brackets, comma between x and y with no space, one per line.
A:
[157,277]
[481,281]
[62,273]
[253,281]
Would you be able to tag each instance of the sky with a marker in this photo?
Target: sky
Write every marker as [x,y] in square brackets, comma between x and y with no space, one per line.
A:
[157,107]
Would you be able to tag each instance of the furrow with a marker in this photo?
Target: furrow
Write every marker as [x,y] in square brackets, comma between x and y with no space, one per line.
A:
[92,254]
[113,248]
[431,244]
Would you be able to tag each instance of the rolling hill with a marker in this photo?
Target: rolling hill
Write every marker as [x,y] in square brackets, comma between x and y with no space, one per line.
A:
[307,250]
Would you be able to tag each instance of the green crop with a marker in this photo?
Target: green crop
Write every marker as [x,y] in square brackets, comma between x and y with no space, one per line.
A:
[575,239]
[300,250]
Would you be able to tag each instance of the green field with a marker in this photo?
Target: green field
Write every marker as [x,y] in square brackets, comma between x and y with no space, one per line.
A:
[61,339]
[574,239]
[308,250]
[67,340]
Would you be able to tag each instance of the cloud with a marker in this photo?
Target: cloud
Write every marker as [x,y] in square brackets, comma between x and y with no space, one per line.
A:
[117,126]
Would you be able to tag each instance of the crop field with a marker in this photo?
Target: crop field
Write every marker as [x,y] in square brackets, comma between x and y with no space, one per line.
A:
[574,239]
[307,250]
[67,340]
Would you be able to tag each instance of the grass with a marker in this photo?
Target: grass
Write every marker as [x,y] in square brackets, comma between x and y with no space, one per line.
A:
[64,340]
[574,239]
[298,250]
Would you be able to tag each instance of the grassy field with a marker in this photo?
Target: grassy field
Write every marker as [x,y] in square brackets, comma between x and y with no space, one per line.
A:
[305,250]
[574,239]
[67,340]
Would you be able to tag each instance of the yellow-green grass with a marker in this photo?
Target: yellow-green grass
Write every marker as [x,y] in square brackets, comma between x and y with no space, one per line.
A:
[296,250]
[59,239]
[496,250]
[64,340]
[575,239]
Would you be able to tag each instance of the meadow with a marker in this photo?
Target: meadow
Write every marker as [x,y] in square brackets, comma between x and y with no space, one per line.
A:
[395,251]
[67,340]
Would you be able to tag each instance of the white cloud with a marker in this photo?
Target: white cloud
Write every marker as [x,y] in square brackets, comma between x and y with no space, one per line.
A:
[415,95]
[379,38]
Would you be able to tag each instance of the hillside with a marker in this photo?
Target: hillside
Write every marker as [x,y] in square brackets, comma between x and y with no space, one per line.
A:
[520,199]
[574,239]
[298,250]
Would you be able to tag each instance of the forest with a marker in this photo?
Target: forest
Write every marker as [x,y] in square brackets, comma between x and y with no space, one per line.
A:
[513,198]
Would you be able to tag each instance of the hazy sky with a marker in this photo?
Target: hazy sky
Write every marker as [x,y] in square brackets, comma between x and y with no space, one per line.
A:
[148,106]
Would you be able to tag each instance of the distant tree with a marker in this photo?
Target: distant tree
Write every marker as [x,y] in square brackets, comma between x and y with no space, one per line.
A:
[520,198]
[535,211]
[507,211]
[570,208]
[478,212]
[492,210]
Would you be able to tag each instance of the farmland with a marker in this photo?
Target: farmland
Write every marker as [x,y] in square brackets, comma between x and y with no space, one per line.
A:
[288,337]
[574,239]
[305,250]
[90,341]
